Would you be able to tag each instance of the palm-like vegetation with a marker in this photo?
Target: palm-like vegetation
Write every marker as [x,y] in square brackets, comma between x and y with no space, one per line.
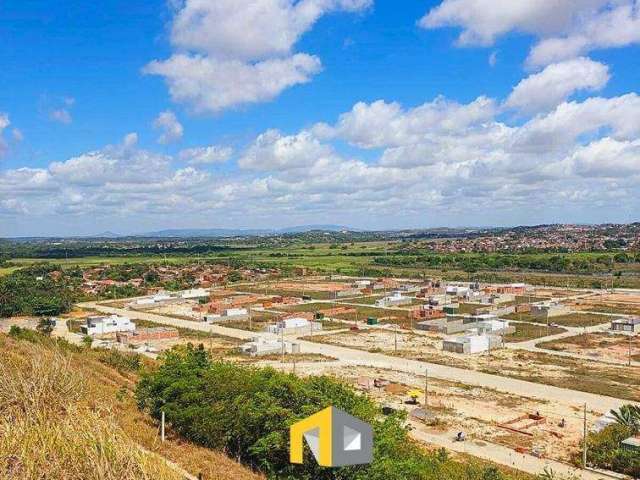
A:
[629,416]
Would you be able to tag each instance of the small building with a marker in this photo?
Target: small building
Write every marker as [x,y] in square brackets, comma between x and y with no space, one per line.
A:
[631,443]
[194,293]
[97,325]
[294,326]
[262,346]
[147,334]
[160,297]
[626,324]
[549,309]
[451,309]
[470,344]
[394,300]
[227,315]
[426,312]
[448,325]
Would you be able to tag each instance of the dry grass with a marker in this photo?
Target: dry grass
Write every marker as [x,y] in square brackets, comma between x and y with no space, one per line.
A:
[48,430]
[84,419]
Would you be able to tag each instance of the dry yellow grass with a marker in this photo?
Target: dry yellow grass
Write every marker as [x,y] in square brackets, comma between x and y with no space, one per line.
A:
[48,431]
[66,415]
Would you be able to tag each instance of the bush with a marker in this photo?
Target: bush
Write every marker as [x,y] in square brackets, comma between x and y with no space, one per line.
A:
[604,451]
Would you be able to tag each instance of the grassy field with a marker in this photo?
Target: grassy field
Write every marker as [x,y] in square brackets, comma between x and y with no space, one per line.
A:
[399,316]
[569,320]
[530,331]
[358,258]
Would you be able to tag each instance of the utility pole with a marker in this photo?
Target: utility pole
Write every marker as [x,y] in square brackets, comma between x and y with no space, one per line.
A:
[584,440]
[426,389]
[395,339]
[162,426]
[282,340]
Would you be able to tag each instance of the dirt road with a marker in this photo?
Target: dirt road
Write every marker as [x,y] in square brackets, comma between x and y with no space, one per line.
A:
[538,391]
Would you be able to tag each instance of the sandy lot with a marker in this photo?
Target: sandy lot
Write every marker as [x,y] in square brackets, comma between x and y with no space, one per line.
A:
[601,345]
[589,376]
[476,411]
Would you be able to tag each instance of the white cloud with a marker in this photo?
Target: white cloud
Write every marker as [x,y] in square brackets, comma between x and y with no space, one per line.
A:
[206,155]
[253,30]
[381,124]
[483,20]
[231,53]
[171,128]
[616,26]
[556,83]
[566,28]
[61,115]
[607,158]
[273,151]
[454,162]
[210,85]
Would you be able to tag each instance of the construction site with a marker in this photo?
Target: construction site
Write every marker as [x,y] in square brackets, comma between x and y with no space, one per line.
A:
[482,360]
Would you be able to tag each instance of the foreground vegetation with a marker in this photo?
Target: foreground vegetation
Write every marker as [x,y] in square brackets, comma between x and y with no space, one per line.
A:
[247,412]
[605,449]
[106,381]
[49,429]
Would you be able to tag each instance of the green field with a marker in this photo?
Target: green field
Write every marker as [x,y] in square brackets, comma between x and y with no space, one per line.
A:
[530,331]
[394,258]
[569,320]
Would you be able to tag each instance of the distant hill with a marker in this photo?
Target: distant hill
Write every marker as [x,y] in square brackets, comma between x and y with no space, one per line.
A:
[230,232]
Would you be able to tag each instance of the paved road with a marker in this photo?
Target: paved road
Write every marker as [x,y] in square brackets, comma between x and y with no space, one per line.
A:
[350,356]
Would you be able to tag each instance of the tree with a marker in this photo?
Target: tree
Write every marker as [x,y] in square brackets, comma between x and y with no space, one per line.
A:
[628,416]
[87,341]
[45,326]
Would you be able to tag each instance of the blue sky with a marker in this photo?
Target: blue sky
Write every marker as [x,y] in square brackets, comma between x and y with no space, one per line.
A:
[268,113]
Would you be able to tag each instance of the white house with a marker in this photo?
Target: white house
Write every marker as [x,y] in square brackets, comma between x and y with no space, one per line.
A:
[472,343]
[262,346]
[104,325]
[226,315]
[157,298]
[194,293]
[294,325]
[395,299]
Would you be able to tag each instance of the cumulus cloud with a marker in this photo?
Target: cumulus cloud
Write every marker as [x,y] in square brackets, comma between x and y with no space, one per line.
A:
[255,30]
[566,28]
[171,128]
[556,83]
[274,151]
[617,25]
[210,85]
[206,155]
[442,158]
[381,124]
[230,53]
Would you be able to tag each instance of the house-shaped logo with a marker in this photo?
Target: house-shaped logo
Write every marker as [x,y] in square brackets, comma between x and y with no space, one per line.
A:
[335,438]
